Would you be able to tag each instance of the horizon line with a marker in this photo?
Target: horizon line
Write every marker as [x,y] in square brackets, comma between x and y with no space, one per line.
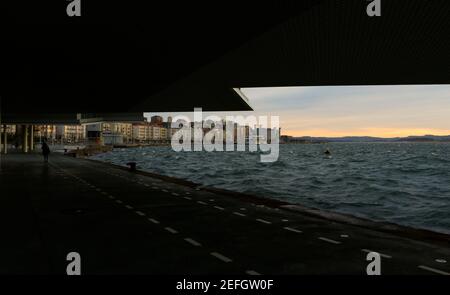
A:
[344,136]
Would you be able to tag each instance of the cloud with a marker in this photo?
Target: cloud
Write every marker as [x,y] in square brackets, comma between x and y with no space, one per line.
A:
[355,110]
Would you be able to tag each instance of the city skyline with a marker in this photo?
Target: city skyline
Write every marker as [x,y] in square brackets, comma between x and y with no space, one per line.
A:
[337,111]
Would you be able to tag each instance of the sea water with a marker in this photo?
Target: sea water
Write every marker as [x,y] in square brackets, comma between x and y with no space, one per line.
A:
[403,183]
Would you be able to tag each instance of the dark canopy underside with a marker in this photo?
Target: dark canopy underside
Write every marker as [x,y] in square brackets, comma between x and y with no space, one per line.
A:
[177,56]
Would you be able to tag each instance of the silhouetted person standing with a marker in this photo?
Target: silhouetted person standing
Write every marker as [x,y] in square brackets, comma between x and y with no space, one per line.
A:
[45,151]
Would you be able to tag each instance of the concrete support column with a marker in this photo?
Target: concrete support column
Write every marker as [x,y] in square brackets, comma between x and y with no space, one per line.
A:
[1,141]
[25,138]
[5,141]
[31,138]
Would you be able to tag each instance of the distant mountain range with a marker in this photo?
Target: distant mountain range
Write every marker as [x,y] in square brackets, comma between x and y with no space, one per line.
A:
[425,138]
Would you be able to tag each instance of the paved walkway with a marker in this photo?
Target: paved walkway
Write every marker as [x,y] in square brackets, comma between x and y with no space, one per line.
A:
[126,223]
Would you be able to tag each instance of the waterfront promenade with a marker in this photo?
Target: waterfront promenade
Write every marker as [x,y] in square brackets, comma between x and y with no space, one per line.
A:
[130,223]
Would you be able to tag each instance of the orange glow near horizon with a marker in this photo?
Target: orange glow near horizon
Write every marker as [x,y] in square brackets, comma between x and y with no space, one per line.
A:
[384,111]
[373,132]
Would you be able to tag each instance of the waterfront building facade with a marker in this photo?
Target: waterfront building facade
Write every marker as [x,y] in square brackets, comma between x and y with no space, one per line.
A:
[71,133]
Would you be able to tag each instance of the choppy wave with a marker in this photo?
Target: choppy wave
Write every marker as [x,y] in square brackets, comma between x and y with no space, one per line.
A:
[404,183]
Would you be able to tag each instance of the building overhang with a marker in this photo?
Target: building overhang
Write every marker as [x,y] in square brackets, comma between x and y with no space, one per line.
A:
[139,63]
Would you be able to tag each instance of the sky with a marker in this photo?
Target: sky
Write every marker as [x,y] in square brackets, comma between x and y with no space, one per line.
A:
[335,111]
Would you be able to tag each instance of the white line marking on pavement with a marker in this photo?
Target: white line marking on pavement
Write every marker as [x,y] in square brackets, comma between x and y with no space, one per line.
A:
[344,236]
[111,197]
[252,273]
[164,190]
[187,198]
[243,209]
[211,200]
[129,207]
[293,230]
[193,242]
[329,240]
[140,213]
[220,208]
[99,190]
[146,185]
[263,221]
[154,187]
[175,194]
[239,214]
[284,220]
[119,202]
[381,254]
[434,270]
[170,230]
[153,220]
[188,193]
[201,202]
[221,257]
[440,260]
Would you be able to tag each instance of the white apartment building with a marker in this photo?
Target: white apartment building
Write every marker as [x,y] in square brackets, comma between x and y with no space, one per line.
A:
[71,132]
[141,132]
[10,129]
[163,133]
[45,131]
[155,132]
[110,133]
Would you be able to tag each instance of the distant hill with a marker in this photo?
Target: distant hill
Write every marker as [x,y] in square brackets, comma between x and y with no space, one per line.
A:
[445,138]
[425,138]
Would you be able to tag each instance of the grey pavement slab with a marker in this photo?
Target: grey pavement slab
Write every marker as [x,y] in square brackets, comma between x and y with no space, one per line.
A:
[127,223]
